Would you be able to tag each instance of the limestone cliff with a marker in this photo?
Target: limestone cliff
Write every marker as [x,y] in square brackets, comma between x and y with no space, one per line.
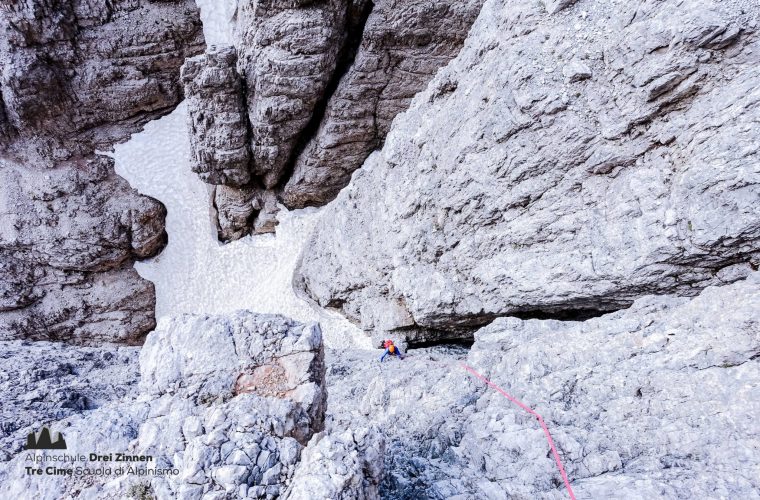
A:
[78,77]
[561,218]
[562,166]
[321,84]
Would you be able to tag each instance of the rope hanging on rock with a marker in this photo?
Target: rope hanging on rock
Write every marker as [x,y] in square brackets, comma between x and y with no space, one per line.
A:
[540,421]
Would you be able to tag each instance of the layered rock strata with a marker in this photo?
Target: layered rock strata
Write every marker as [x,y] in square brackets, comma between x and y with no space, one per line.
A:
[402,47]
[78,77]
[219,134]
[322,82]
[562,166]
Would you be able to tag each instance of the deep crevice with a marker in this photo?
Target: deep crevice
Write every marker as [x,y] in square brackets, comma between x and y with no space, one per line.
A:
[581,314]
[355,24]
[460,342]
[465,336]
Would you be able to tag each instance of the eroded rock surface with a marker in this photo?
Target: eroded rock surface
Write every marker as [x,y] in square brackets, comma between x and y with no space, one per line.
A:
[42,382]
[217,117]
[82,75]
[68,238]
[562,165]
[402,47]
[344,465]
[322,82]
[288,52]
[227,402]
[665,409]
[654,401]
[77,77]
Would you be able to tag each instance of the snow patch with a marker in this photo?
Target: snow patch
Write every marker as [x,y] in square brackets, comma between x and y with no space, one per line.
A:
[217,17]
[195,273]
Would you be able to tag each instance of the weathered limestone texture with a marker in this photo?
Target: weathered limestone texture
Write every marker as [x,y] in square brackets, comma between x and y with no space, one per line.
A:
[218,122]
[81,75]
[562,166]
[288,53]
[656,401]
[340,466]
[77,77]
[665,409]
[322,82]
[42,382]
[402,47]
[228,401]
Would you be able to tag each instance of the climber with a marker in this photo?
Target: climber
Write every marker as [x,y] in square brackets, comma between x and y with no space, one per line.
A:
[390,348]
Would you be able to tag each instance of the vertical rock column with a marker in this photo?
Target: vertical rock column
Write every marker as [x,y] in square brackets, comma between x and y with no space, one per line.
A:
[246,126]
[216,117]
[288,54]
[322,81]
[402,46]
[220,140]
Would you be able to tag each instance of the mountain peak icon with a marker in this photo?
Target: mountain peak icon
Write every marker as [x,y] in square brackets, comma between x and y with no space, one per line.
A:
[44,441]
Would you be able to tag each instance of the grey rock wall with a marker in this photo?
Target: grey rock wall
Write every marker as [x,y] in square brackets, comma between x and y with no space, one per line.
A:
[74,70]
[322,82]
[217,117]
[561,165]
[69,237]
[402,47]
[78,77]
[656,401]
[288,52]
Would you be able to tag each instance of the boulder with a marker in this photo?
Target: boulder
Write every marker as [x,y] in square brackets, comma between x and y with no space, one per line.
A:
[225,404]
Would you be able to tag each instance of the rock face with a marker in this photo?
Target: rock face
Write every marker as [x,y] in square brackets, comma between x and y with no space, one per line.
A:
[68,238]
[42,382]
[287,56]
[227,402]
[665,408]
[402,47]
[217,119]
[340,466]
[73,71]
[265,356]
[322,82]
[227,405]
[561,166]
[553,6]
[76,78]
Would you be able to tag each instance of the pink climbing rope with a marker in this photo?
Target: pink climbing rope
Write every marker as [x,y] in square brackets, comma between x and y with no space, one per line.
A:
[540,421]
